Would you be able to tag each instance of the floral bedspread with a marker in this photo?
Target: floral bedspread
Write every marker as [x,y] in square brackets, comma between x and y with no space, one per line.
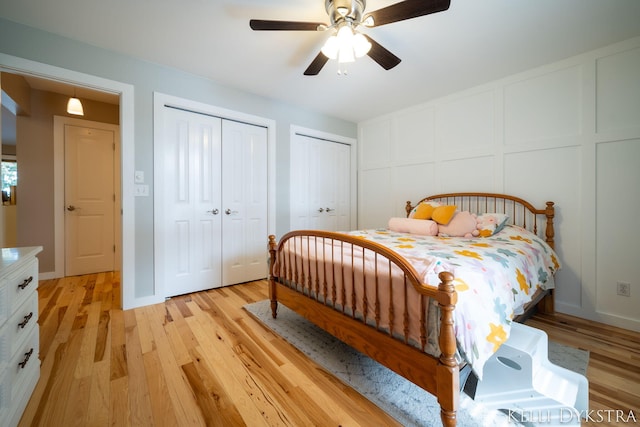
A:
[494,278]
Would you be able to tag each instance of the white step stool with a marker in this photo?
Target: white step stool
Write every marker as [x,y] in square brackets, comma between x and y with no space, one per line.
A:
[520,381]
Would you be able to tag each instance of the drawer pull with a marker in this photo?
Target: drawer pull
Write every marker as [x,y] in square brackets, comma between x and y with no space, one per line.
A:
[26,320]
[26,359]
[25,283]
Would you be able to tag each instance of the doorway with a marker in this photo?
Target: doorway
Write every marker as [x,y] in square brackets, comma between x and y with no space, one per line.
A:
[90,194]
[125,95]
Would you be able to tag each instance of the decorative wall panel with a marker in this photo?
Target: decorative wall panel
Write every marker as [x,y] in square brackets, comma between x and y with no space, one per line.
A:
[618,91]
[543,107]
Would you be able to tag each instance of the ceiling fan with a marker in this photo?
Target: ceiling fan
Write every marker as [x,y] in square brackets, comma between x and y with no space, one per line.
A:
[347,42]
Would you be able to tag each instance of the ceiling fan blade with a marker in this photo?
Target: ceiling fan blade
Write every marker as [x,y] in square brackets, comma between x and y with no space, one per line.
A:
[382,56]
[316,65]
[266,25]
[406,10]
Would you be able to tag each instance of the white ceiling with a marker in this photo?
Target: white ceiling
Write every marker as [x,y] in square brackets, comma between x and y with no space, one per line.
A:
[474,42]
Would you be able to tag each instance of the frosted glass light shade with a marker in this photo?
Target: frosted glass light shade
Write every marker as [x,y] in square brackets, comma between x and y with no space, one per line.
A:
[330,48]
[361,45]
[74,106]
[346,45]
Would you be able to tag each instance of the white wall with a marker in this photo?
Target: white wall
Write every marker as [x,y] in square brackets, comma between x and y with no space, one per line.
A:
[567,132]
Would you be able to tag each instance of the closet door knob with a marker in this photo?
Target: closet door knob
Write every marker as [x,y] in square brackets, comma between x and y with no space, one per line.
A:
[214,211]
[320,210]
[228,211]
[329,209]
[71,208]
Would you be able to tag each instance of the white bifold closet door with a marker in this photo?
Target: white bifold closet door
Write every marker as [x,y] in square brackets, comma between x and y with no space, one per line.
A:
[244,201]
[320,184]
[215,202]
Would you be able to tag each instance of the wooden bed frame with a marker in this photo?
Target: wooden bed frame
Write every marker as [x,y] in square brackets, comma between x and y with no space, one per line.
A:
[439,376]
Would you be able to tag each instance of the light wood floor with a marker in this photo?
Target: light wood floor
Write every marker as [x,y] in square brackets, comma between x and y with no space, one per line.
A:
[202,360]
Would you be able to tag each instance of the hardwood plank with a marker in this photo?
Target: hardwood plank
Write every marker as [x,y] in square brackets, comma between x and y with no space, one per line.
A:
[139,404]
[180,394]
[161,404]
[119,402]
[98,407]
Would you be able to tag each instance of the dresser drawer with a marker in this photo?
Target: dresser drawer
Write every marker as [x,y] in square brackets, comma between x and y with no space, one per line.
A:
[15,331]
[18,380]
[24,361]
[21,283]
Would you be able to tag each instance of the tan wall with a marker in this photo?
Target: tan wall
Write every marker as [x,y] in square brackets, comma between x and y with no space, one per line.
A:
[16,87]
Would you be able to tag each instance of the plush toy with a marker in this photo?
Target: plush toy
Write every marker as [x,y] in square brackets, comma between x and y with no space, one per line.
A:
[463,224]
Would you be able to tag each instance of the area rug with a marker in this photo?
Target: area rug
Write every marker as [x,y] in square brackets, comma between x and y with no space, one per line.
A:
[403,400]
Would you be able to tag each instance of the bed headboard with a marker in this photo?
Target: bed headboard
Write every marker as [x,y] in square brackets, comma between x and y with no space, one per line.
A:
[521,212]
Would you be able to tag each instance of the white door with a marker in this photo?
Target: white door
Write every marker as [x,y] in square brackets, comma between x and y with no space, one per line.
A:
[299,187]
[89,200]
[191,234]
[244,202]
[320,184]
[336,175]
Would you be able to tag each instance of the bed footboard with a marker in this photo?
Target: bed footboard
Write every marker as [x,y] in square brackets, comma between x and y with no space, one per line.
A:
[373,300]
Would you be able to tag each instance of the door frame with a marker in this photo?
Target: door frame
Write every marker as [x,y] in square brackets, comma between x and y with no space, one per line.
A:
[353,173]
[59,166]
[127,118]
[160,101]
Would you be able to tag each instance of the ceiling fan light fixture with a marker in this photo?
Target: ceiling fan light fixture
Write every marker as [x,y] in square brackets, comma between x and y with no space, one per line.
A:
[345,16]
[74,106]
[346,45]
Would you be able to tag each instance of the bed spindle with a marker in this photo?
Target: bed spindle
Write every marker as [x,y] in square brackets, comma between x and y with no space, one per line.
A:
[317,281]
[405,320]
[377,296]
[295,263]
[423,322]
[324,270]
[353,288]
[365,307]
[392,317]
[306,283]
[334,291]
[343,293]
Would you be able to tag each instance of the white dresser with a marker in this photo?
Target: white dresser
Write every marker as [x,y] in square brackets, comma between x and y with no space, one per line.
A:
[19,334]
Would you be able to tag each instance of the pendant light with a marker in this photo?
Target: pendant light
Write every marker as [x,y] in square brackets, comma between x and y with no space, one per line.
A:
[74,106]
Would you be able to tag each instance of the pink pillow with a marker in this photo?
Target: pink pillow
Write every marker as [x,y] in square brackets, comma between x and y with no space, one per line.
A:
[422,227]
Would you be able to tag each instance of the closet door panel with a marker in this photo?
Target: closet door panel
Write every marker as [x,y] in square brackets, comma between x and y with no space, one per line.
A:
[191,231]
[317,184]
[320,184]
[244,171]
[299,189]
[342,189]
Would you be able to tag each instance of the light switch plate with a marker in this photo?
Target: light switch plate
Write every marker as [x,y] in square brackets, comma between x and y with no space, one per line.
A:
[142,190]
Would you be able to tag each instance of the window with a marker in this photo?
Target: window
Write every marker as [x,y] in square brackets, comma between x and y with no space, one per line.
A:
[9,177]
